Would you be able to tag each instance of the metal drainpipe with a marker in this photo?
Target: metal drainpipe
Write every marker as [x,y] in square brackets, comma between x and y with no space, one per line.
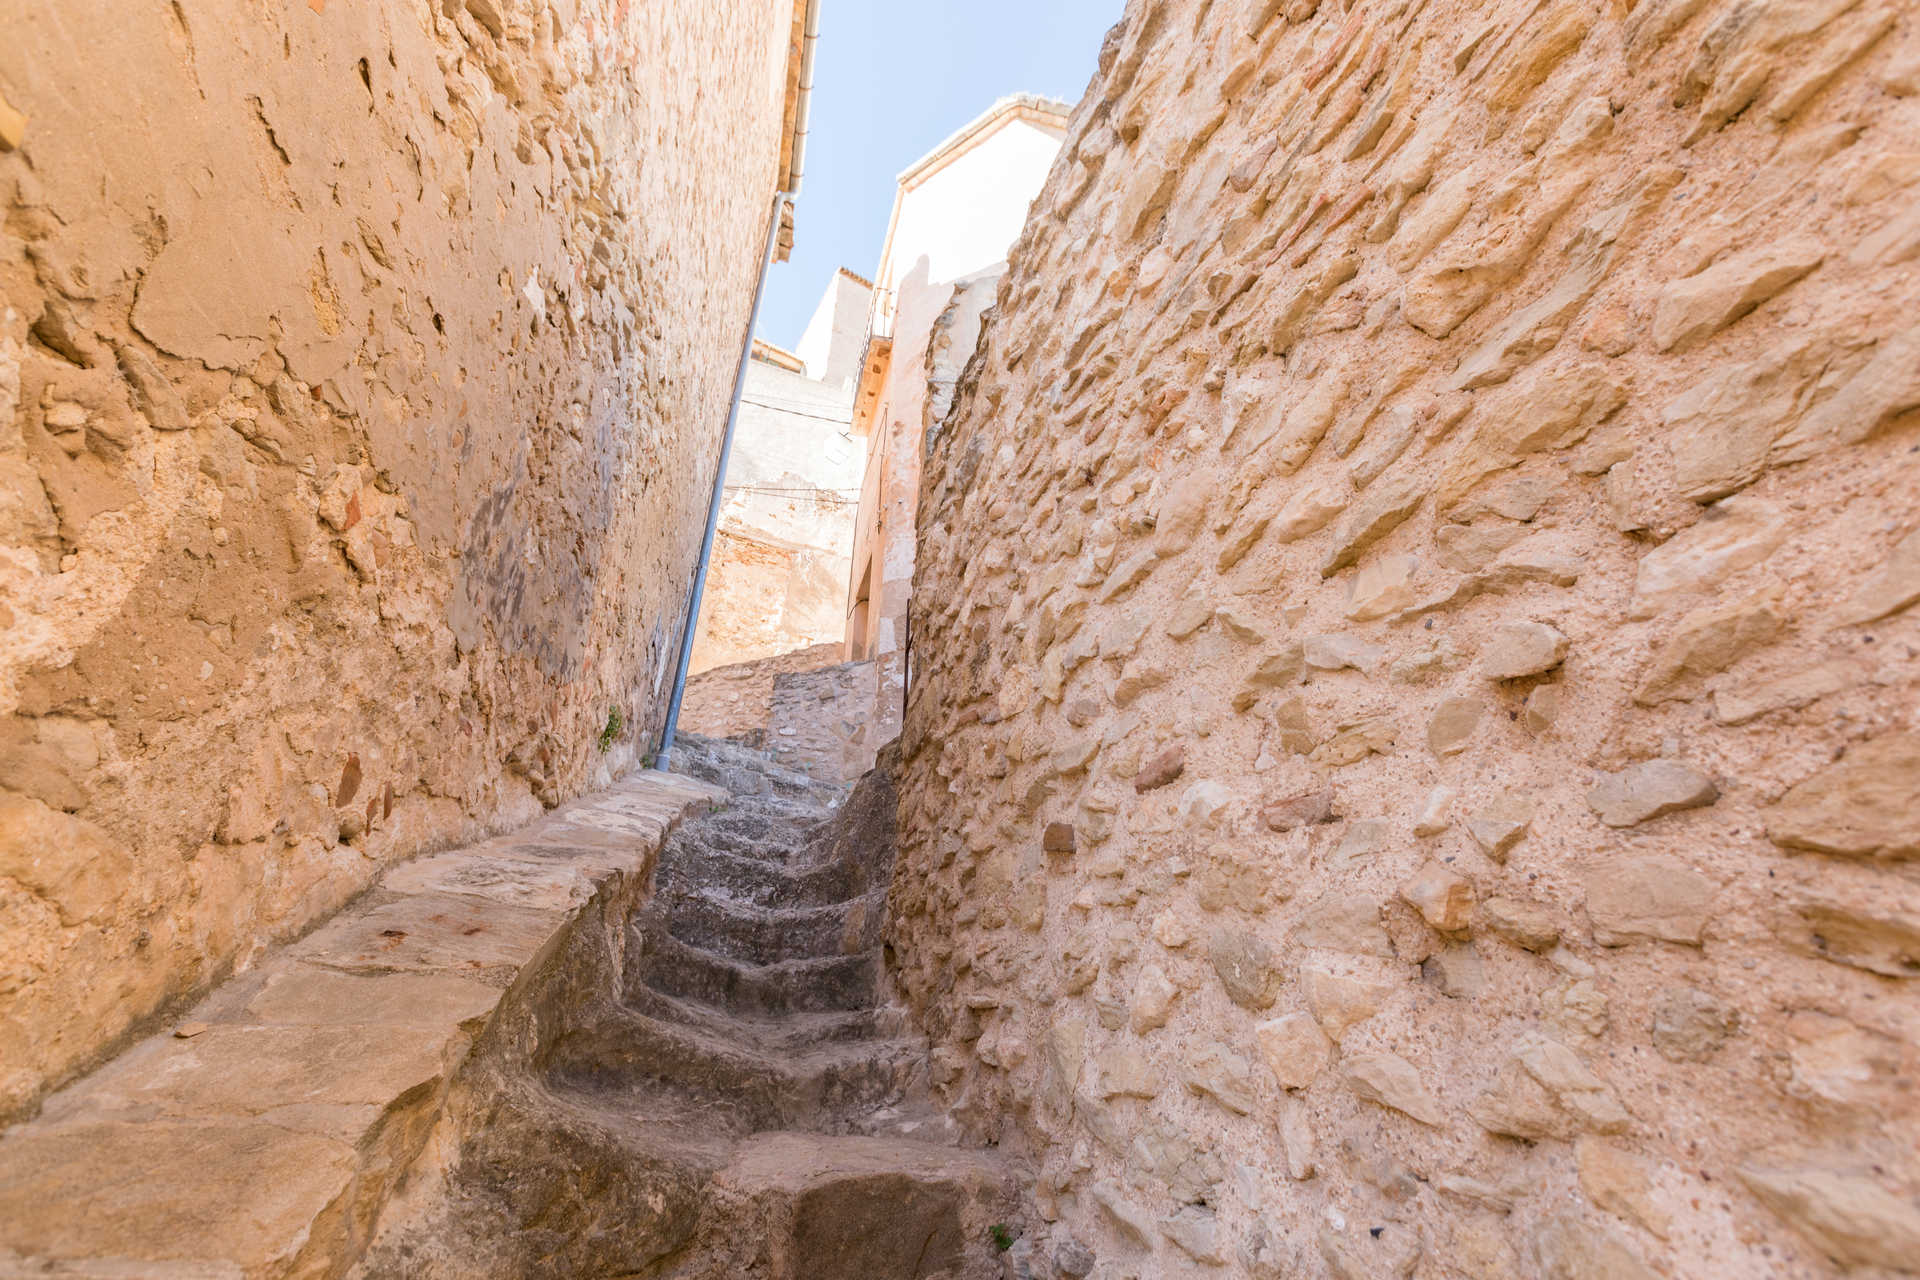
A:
[664,758]
[802,115]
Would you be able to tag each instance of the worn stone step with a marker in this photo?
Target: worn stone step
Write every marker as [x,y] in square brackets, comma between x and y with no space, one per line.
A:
[759,827]
[776,849]
[803,1206]
[556,1182]
[823,1088]
[756,935]
[773,1033]
[668,965]
[759,883]
[745,771]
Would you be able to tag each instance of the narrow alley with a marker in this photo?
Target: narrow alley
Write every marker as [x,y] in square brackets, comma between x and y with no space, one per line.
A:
[1308,665]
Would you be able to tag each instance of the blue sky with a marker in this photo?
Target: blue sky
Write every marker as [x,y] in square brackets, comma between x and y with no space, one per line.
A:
[892,78]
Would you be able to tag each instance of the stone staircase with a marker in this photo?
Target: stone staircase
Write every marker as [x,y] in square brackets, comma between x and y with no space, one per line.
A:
[741,1103]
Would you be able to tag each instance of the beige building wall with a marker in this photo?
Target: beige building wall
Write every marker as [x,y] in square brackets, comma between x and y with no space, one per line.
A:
[782,552]
[361,370]
[831,344]
[956,211]
[1414,758]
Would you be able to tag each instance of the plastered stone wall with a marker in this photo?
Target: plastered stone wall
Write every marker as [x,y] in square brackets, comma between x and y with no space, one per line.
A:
[1414,757]
[736,701]
[361,370]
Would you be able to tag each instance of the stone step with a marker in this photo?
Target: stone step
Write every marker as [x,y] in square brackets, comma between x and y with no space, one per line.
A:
[556,1182]
[755,935]
[745,771]
[673,968]
[762,884]
[804,1206]
[824,1088]
[779,1034]
[775,849]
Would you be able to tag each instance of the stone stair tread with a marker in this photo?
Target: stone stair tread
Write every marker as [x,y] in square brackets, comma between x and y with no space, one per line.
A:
[674,968]
[754,934]
[827,1087]
[773,1033]
[701,1047]
[793,1160]
[748,879]
[697,1133]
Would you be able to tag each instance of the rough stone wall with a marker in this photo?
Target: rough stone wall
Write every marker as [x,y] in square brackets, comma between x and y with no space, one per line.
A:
[819,721]
[361,368]
[778,577]
[1415,752]
[737,701]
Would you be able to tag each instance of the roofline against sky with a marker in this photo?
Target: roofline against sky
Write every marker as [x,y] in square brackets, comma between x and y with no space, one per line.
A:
[1046,112]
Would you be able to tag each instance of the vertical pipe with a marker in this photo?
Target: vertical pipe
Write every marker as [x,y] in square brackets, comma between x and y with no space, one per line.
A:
[665,756]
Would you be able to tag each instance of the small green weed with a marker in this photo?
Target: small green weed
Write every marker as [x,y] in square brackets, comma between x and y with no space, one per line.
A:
[611,734]
[1002,1236]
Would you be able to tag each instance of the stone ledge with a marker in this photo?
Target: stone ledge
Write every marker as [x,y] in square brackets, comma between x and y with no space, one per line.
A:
[262,1136]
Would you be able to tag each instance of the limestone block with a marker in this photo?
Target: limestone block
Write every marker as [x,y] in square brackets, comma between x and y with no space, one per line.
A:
[1307,511]
[1297,1140]
[1866,805]
[1195,1232]
[1435,812]
[1153,997]
[1736,534]
[1127,1073]
[1881,938]
[1341,921]
[1894,586]
[1276,670]
[1301,809]
[1648,790]
[1706,642]
[1245,966]
[1565,1248]
[1660,898]
[1541,711]
[1236,622]
[1165,767]
[1577,1006]
[1885,387]
[1295,726]
[1469,548]
[1544,1090]
[1127,1218]
[1384,508]
[1383,586]
[1203,805]
[1181,514]
[1456,971]
[1523,923]
[1295,1049]
[1443,899]
[1836,1063]
[239,1188]
[1500,825]
[1355,740]
[1691,310]
[1216,1072]
[1392,1250]
[1393,1082]
[1617,1181]
[1689,1025]
[1340,1002]
[1517,650]
[1340,653]
[1849,1216]
[1233,877]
